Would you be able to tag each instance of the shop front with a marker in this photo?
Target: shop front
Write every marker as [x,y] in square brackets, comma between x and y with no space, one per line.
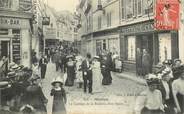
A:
[15,37]
[107,40]
[138,38]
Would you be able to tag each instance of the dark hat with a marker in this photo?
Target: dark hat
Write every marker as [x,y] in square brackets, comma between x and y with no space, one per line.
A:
[26,69]
[88,55]
[168,62]
[57,80]
[180,70]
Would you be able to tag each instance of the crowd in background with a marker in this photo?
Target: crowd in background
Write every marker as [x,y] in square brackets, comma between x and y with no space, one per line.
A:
[165,93]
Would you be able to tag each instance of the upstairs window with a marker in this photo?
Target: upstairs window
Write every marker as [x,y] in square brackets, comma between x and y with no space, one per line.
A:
[5,4]
[123,7]
[99,22]
[139,7]
[109,15]
[129,9]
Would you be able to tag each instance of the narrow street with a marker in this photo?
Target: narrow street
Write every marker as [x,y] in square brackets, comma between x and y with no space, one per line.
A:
[120,96]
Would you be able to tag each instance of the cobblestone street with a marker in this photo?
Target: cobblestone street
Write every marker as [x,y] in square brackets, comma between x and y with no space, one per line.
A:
[114,99]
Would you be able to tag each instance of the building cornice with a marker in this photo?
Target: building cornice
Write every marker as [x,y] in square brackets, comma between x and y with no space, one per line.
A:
[16,14]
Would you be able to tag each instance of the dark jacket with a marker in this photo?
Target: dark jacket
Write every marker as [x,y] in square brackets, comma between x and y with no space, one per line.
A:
[41,62]
[85,68]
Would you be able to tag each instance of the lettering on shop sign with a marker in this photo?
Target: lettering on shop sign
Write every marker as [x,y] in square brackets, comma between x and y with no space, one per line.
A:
[139,28]
[9,21]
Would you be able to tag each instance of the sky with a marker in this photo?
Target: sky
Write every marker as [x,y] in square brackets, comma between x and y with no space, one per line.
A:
[60,5]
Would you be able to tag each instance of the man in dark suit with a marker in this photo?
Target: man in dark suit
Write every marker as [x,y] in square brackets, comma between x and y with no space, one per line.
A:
[87,73]
[43,65]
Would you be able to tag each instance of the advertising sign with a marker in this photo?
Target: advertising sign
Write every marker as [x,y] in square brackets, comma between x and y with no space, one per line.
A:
[50,33]
[167,15]
[46,21]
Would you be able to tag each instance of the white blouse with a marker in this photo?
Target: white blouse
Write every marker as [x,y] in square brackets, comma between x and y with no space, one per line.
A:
[178,86]
[150,100]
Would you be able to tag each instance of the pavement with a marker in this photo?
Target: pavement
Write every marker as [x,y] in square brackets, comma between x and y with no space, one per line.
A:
[118,98]
[131,76]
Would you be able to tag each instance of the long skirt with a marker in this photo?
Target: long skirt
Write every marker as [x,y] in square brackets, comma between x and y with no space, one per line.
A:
[107,79]
[97,79]
[70,77]
[58,107]
[43,71]
[180,98]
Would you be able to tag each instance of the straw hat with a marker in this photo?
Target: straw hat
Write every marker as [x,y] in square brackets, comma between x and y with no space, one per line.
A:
[169,62]
[152,79]
[175,60]
[96,57]
[57,80]
[4,85]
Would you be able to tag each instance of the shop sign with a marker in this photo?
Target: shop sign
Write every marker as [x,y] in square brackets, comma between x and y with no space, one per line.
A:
[9,21]
[167,15]
[138,28]
[46,21]
[25,5]
[50,33]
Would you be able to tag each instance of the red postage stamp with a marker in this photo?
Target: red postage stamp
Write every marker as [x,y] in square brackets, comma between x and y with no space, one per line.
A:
[167,15]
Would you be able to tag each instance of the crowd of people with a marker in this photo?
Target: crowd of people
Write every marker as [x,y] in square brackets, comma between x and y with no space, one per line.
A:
[91,72]
[165,91]
[21,87]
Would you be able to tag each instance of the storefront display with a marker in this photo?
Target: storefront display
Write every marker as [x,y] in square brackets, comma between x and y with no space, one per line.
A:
[113,45]
[164,46]
[16,46]
[131,47]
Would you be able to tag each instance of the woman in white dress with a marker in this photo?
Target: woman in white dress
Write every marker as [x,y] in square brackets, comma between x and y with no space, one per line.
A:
[79,71]
[97,76]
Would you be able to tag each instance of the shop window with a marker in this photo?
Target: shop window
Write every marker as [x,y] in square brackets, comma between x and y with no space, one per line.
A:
[139,7]
[135,8]
[16,46]
[148,7]
[99,22]
[109,15]
[131,47]
[113,45]
[164,46]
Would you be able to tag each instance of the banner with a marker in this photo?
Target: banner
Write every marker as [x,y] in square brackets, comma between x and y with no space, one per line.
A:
[167,15]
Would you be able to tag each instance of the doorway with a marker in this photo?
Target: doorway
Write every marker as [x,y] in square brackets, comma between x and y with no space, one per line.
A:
[5,48]
[144,42]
